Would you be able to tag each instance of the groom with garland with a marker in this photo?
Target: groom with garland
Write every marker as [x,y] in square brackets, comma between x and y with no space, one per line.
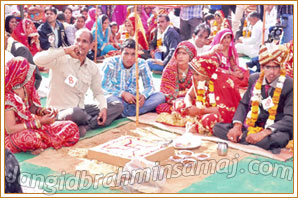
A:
[264,116]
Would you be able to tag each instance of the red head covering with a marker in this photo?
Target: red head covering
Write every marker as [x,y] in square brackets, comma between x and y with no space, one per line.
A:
[205,65]
[189,47]
[220,13]
[232,49]
[140,30]
[19,73]
[23,31]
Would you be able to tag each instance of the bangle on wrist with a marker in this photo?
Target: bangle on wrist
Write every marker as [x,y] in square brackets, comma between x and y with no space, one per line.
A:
[37,123]
[32,124]
[25,126]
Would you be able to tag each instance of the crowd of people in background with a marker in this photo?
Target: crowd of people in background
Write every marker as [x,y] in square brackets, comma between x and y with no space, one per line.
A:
[196,49]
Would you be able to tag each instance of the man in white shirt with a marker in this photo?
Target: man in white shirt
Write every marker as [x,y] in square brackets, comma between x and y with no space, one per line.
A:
[250,46]
[71,75]
[271,16]
[200,38]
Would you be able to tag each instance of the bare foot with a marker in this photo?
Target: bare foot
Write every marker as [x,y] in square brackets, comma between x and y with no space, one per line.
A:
[37,151]
[82,130]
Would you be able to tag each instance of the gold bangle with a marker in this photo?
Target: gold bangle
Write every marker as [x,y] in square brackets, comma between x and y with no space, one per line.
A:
[38,124]
[25,126]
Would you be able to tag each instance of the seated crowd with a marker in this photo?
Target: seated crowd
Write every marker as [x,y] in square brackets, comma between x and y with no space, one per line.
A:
[202,78]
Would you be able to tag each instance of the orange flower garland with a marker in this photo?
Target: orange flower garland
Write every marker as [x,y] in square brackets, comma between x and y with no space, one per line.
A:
[201,93]
[159,43]
[126,35]
[256,99]
[246,30]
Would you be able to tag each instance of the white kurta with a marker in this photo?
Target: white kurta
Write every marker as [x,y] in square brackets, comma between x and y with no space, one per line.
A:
[251,45]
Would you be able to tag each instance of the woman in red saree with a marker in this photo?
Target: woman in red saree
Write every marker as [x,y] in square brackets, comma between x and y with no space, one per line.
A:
[224,48]
[26,33]
[219,22]
[213,96]
[128,31]
[176,77]
[28,127]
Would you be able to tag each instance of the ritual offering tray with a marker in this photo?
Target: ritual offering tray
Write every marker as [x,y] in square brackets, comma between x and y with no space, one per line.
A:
[187,141]
[121,150]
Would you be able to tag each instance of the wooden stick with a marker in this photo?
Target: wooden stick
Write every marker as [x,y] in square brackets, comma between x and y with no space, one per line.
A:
[137,68]
[22,11]
[95,50]
[264,28]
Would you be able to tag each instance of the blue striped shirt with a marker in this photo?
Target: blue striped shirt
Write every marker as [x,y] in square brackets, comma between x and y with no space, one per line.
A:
[117,79]
[195,11]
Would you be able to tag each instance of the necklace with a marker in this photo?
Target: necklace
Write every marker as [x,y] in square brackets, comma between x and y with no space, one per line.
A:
[184,73]
[256,98]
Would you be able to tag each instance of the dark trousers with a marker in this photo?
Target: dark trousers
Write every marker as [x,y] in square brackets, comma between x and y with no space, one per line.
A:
[272,142]
[88,116]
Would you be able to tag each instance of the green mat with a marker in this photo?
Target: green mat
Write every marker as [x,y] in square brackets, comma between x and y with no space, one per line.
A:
[52,182]
[269,179]
[158,76]
[24,156]
[43,102]
[44,75]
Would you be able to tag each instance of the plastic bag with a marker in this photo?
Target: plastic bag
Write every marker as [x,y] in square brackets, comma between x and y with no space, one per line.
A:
[144,177]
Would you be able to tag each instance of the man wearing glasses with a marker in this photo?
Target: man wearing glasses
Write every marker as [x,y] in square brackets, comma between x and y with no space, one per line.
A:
[264,116]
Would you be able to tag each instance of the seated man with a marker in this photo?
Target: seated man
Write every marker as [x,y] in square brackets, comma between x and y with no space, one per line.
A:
[264,116]
[51,33]
[71,75]
[164,43]
[119,80]
[250,46]
[200,39]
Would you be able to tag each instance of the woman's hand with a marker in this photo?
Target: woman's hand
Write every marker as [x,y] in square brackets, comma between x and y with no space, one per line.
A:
[217,48]
[47,119]
[194,111]
[238,73]
[51,111]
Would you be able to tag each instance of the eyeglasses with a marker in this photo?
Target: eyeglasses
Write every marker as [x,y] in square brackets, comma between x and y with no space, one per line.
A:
[267,67]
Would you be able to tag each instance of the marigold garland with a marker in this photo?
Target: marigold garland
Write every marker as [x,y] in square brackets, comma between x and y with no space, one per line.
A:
[159,43]
[201,93]
[253,115]
[246,33]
